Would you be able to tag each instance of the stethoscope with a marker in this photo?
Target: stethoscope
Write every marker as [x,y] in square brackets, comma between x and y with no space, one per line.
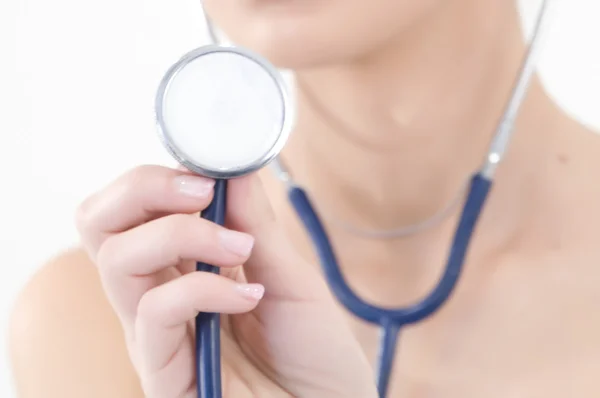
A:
[224,112]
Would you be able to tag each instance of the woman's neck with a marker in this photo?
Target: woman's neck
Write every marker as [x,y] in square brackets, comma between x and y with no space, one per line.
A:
[389,139]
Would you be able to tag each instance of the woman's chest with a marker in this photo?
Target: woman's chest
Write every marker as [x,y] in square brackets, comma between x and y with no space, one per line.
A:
[519,331]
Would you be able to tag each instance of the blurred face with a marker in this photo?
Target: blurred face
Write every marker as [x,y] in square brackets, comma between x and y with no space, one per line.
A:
[297,34]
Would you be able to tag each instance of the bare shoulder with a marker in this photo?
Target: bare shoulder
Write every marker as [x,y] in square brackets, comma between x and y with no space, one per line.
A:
[65,340]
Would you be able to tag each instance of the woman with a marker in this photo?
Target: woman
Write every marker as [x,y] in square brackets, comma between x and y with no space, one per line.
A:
[397,101]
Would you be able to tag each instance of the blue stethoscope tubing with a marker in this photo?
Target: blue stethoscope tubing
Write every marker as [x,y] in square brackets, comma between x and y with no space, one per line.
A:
[208,325]
[391,320]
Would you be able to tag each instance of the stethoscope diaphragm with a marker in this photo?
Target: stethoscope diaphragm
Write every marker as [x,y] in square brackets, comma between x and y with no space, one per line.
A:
[223,111]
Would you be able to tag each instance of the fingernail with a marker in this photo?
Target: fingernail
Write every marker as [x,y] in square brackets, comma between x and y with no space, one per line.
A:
[236,242]
[252,291]
[181,167]
[194,186]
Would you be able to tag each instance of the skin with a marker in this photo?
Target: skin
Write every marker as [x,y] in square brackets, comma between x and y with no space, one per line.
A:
[415,89]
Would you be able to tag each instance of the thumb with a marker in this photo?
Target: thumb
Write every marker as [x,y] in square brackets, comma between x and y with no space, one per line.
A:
[274,262]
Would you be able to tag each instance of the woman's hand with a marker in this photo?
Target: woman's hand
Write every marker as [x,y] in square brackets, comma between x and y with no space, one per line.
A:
[283,334]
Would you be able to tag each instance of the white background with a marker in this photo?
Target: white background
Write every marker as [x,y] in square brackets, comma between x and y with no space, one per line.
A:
[77,81]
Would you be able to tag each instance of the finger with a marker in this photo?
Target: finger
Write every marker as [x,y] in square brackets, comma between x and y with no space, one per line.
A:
[169,240]
[164,348]
[143,194]
[130,263]
[274,261]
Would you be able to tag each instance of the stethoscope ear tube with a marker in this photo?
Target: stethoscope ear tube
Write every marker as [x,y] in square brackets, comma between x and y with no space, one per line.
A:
[392,320]
[208,327]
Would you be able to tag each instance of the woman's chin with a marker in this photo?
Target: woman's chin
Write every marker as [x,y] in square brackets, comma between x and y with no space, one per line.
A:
[294,59]
[295,52]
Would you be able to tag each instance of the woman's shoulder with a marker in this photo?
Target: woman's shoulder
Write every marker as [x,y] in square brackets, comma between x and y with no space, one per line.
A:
[65,340]
[63,292]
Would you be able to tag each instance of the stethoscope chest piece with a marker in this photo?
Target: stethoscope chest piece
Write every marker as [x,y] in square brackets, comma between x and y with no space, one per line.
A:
[223,111]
